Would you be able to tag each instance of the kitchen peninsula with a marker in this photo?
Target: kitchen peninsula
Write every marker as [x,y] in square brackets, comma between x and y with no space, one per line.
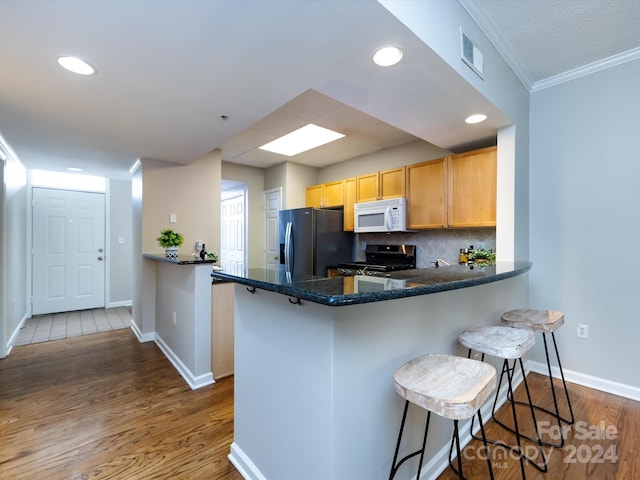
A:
[315,358]
[178,295]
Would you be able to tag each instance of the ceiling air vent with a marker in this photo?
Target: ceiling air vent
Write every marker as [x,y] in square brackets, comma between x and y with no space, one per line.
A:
[471,55]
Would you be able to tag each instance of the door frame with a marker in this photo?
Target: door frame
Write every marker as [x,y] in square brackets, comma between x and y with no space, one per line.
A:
[29,253]
[265,193]
[232,190]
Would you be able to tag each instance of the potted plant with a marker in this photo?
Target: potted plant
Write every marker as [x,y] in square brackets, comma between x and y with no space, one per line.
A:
[480,255]
[170,241]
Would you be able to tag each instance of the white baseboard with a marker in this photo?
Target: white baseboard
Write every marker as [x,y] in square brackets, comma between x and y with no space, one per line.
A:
[243,464]
[124,303]
[597,383]
[142,337]
[193,380]
[14,335]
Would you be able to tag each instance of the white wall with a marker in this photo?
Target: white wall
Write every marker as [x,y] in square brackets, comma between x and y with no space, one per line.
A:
[254,180]
[585,194]
[120,261]
[437,24]
[13,248]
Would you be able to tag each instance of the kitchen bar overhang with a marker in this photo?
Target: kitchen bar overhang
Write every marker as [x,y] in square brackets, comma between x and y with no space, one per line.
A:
[341,291]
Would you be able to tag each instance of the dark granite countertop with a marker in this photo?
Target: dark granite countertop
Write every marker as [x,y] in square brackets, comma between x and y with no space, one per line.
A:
[181,260]
[342,291]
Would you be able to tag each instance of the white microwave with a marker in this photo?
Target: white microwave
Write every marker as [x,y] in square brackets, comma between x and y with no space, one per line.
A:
[381,216]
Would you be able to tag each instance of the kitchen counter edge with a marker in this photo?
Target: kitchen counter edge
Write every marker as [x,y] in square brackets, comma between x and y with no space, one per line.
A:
[425,278]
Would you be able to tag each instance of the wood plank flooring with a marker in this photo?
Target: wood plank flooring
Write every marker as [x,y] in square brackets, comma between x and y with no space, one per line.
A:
[603,443]
[105,406]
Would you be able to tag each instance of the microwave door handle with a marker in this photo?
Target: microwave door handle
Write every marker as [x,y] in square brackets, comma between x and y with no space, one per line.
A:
[387,218]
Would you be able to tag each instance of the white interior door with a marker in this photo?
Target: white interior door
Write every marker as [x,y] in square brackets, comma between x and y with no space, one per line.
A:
[68,250]
[232,254]
[273,204]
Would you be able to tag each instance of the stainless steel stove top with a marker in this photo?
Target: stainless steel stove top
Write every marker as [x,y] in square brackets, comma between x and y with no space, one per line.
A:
[381,259]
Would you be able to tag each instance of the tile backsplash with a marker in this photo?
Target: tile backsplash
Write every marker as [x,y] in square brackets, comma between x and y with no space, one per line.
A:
[430,245]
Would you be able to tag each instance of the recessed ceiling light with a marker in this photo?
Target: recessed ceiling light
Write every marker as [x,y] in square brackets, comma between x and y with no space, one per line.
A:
[387,56]
[476,118]
[74,169]
[300,140]
[76,65]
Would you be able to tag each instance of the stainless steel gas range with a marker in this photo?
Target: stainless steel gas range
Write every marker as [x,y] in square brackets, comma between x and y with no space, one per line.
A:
[381,260]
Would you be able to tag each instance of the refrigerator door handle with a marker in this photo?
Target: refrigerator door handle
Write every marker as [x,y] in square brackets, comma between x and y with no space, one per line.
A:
[288,248]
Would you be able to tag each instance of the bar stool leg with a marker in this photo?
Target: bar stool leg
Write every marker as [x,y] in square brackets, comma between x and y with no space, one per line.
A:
[456,438]
[538,439]
[395,466]
[564,383]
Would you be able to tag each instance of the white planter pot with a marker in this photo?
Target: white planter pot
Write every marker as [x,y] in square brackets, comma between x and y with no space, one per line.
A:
[171,253]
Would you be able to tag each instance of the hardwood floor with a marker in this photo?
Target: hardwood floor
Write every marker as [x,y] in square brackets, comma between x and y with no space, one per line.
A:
[105,406]
[601,445]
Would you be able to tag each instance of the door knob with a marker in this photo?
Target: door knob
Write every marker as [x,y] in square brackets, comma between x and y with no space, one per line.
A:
[100,258]
[100,250]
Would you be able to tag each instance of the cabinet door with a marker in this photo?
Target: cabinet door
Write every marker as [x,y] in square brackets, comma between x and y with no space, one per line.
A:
[472,188]
[333,195]
[314,196]
[349,200]
[426,194]
[392,183]
[367,187]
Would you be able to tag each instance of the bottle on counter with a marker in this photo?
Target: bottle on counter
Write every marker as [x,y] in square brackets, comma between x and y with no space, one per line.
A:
[203,253]
[462,259]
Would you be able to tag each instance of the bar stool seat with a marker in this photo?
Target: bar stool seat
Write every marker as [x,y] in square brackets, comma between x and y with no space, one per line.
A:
[546,322]
[498,341]
[447,385]
[509,344]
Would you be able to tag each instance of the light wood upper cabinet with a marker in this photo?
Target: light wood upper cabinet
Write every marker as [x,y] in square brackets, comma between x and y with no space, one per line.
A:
[314,196]
[367,187]
[381,185]
[326,195]
[392,183]
[333,195]
[472,185]
[427,195]
[349,201]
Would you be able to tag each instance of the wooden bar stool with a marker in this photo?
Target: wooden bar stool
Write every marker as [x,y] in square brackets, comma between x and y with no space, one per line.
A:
[509,344]
[447,385]
[545,322]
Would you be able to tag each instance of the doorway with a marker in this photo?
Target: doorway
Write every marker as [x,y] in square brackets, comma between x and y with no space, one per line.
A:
[273,205]
[68,268]
[233,251]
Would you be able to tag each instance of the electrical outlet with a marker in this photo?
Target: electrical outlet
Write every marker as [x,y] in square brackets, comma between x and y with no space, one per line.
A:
[175,320]
[583,331]
[363,246]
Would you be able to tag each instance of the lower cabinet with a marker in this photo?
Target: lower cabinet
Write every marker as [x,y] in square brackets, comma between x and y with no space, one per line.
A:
[222,300]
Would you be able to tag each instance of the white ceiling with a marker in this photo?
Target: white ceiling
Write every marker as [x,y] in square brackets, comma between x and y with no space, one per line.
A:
[168,71]
[549,41]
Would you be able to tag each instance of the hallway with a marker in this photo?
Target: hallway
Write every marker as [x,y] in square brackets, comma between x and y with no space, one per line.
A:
[56,326]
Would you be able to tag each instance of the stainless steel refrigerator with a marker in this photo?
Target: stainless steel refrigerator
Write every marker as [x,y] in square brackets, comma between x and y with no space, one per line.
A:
[312,239]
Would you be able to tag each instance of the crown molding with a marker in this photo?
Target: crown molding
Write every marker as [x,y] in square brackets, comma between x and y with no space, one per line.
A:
[588,69]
